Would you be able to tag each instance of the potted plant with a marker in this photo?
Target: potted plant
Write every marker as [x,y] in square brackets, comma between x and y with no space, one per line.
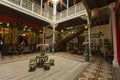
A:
[42,52]
[86,52]
[109,50]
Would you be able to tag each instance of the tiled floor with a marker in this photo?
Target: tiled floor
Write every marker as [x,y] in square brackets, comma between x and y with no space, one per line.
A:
[98,69]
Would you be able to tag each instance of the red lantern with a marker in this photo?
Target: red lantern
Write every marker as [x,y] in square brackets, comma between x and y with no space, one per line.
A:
[74,2]
[33,0]
[61,2]
[48,2]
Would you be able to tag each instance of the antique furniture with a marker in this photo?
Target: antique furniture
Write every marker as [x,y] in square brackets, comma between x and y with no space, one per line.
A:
[46,65]
[32,65]
[51,61]
[40,61]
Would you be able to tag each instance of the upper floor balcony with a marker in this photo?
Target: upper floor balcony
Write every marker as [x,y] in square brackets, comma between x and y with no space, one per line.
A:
[36,10]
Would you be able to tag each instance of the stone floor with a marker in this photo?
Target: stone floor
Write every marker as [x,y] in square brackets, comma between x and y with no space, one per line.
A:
[64,69]
[67,67]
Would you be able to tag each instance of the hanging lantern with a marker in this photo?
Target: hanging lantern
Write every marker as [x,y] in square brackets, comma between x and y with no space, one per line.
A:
[33,0]
[74,2]
[61,2]
[85,32]
[95,12]
[48,2]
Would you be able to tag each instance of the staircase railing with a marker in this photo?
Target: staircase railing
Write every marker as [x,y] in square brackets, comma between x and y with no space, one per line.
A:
[61,43]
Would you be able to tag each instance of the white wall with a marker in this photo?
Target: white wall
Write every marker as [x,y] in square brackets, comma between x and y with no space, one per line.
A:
[106,30]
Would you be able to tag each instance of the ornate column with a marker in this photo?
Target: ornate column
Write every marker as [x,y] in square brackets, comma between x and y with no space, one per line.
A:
[89,34]
[67,6]
[115,60]
[41,7]
[54,12]
[54,25]
[87,53]
[53,41]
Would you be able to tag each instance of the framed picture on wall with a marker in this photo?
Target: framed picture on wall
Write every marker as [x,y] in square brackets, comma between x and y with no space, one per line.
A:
[93,44]
[92,35]
[93,40]
[99,39]
[97,35]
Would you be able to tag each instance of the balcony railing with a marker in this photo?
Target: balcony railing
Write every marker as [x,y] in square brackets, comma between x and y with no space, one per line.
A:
[70,11]
[26,4]
[36,8]
[32,7]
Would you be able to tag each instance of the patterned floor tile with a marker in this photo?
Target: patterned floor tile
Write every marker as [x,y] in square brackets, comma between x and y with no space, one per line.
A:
[98,70]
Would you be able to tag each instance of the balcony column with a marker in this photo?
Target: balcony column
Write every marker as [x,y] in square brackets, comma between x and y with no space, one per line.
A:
[21,2]
[87,52]
[67,6]
[32,6]
[41,7]
[89,34]
[53,41]
[54,25]
[54,12]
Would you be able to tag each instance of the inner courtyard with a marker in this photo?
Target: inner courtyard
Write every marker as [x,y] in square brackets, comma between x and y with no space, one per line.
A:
[59,40]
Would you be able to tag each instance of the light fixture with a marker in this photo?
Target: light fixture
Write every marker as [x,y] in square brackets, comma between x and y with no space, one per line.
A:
[55,1]
[0,22]
[86,27]
[33,0]
[29,29]
[69,28]
[85,33]
[62,30]
[8,24]
[25,27]
[23,34]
